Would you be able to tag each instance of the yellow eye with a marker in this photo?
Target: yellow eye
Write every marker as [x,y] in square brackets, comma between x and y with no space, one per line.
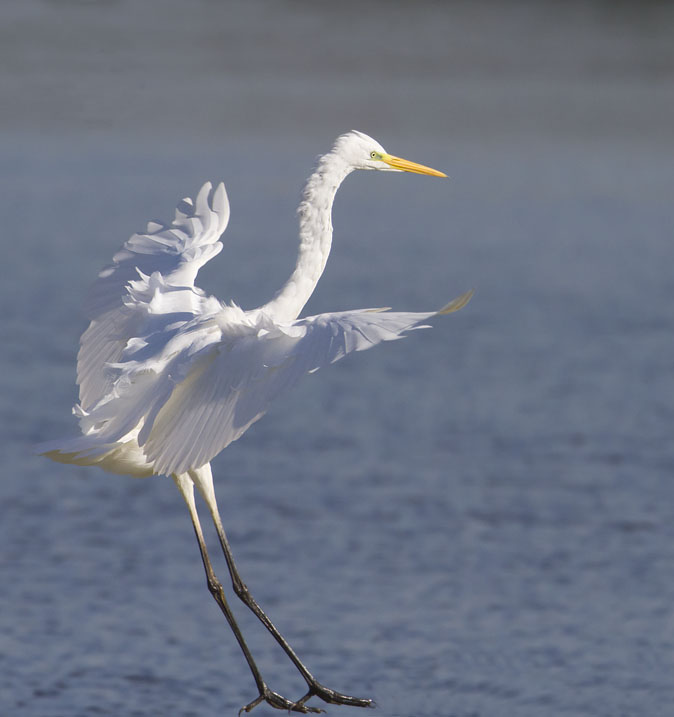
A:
[375,155]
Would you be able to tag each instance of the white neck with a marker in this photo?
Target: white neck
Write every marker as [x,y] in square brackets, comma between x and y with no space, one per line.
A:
[315,215]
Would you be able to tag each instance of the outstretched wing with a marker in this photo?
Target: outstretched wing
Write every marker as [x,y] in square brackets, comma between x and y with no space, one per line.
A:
[173,253]
[232,385]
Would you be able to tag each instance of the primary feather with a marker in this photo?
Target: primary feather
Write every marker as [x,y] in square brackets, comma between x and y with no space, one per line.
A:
[174,254]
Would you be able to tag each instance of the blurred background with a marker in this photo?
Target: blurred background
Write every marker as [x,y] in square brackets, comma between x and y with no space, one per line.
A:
[475,521]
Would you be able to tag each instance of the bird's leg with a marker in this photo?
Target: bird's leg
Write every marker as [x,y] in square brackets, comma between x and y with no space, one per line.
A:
[242,592]
[186,486]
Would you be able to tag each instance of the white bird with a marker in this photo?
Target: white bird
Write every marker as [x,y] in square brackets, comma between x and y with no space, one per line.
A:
[169,376]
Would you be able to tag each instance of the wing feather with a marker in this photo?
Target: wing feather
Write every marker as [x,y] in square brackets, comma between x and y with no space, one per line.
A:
[234,386]
[183,392]
[175,253]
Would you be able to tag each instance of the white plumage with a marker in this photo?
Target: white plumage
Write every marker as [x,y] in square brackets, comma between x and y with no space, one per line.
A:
[169,376]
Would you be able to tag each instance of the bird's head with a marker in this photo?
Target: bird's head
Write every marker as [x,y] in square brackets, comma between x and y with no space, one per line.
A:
[363,152]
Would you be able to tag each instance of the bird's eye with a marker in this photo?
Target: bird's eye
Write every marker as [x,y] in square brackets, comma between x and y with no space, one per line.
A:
[374,155]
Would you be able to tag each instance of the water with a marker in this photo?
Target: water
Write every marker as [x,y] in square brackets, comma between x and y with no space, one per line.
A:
[475,521]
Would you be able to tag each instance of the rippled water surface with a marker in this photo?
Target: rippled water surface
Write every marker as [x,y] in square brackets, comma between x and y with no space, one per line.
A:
[478,520]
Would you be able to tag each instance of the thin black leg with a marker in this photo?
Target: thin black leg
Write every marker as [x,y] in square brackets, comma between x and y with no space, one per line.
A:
[265,694]
[272,698]
[242,592]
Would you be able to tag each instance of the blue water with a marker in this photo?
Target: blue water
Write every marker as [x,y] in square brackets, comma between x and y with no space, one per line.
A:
[476,521]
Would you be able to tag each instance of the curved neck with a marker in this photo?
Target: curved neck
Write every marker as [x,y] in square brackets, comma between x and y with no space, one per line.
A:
[315,216]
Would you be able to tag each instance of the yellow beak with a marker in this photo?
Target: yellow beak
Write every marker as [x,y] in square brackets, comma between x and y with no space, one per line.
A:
[406,166]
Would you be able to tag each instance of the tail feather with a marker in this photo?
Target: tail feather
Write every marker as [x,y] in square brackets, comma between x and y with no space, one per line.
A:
[121,457]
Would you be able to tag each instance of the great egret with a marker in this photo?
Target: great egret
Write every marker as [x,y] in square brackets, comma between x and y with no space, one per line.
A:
[169,376]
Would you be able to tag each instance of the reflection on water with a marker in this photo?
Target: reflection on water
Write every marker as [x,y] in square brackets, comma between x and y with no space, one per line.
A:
[477,520]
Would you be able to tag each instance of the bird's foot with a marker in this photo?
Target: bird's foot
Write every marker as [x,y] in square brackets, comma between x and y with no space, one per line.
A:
[316,689]
[280,703]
